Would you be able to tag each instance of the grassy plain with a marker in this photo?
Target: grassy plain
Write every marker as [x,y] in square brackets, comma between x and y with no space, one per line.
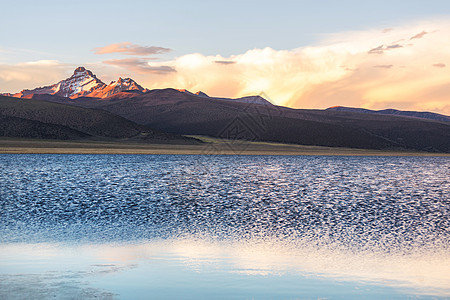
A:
[211,146]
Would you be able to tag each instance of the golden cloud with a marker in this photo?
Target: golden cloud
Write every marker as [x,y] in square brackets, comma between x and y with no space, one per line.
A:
[131,49]
[338,71]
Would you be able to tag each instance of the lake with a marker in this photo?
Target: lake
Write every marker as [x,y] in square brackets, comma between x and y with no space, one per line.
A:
[239,227]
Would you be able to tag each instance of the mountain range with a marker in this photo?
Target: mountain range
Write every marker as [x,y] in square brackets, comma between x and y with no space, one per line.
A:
[83,83]
[253,118]
[415,114]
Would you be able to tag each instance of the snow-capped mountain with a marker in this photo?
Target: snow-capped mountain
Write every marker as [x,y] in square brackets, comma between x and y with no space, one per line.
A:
[83,83]
[123,84]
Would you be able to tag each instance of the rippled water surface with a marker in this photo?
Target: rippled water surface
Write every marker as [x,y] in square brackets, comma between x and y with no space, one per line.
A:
[188,226]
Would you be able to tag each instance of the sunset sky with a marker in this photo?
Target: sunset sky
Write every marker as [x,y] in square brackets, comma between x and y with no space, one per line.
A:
[303,54]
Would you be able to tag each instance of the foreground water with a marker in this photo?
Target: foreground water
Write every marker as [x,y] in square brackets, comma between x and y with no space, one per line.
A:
[139,226]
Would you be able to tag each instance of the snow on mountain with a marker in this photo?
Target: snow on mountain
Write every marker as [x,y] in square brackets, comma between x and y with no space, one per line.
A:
[123,84]
[83,83]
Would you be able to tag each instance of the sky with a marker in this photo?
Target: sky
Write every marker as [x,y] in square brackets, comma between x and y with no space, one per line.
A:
[302,54]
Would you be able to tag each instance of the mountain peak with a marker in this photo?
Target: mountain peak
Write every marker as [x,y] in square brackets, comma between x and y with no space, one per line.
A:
[125,81]
[79,69]
[81,83]
[128,82]
[82,71]
[202,94]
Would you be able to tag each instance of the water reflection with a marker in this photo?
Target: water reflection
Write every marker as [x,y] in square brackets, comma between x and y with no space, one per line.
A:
[114,269]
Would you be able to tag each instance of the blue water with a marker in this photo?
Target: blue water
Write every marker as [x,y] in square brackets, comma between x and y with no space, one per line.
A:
[187,226]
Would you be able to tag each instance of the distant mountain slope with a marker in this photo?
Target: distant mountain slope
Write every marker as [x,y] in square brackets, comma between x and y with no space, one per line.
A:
[415,114]
[82,122]
[14,127]
[179,112]
[247,99]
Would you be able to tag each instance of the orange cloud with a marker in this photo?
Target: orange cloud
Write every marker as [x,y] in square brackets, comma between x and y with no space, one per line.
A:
[139,65]
[419,35]
[128,48]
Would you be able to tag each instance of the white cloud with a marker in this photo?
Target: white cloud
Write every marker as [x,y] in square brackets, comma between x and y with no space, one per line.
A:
[28,75]
[42,63]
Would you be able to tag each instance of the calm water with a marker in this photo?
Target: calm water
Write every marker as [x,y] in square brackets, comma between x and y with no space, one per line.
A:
[134,226]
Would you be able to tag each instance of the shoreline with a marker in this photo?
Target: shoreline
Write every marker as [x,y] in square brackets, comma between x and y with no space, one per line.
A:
[212,146]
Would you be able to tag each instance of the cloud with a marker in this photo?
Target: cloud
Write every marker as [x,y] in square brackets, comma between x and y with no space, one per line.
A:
[439,65]
[381,49]
[419,35]
[383,66]
[376,50]
[395,46]
[139,65]
[224,62]
[128,48]
[42,63]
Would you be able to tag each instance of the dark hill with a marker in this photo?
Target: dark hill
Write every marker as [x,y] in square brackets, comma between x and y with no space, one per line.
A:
[21,128]
[414,114]
[74,122]
[182,113]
